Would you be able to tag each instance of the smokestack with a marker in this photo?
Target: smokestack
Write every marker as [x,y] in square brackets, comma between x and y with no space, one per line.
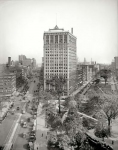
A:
[71,30]
[9,61]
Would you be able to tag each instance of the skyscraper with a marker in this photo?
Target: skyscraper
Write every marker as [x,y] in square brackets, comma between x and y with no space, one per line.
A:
[21,58]
[60,57]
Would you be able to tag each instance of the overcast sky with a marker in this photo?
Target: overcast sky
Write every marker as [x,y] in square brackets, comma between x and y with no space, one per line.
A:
[94,22]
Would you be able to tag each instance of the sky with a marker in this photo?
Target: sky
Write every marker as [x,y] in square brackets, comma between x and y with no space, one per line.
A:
[94,23]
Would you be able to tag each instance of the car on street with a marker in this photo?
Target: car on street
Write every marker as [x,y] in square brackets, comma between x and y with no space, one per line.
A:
[24,125]
[32,139]
[18,108]
[32,134]
[23,111]
[12,111]
[30,146]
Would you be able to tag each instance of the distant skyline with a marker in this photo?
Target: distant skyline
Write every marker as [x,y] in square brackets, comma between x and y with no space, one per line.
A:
[94,23]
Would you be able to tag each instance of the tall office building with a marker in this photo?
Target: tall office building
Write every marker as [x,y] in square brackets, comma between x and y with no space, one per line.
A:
[60,57]
[116,62]
[21,58]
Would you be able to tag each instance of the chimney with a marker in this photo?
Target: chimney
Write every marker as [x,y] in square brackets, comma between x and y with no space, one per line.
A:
[9,61]
[71,30]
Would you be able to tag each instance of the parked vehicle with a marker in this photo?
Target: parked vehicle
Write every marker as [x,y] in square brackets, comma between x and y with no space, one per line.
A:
[32,139]
[24,135]
[30,146]
[18,108]
[24,125]
[32,134]
[28,119]
[23,111]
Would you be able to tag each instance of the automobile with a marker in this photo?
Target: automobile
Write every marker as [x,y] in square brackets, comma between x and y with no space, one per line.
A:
[24,125]
[12,112]
[28,119]
[32,139]
[30,146]
[18,108]
[24,135]
[23,111]
[32,134]
[34,116]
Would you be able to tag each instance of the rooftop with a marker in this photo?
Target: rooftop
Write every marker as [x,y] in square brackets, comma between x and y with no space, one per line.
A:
[56,29]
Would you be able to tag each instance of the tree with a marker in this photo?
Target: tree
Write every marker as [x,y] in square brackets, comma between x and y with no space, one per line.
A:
[110,110]
[64,142]
[72,122]
[105,74]
[91,106]
[97,81]
[45,96]
[101,130]
[58,84]
[57,124]
[52,138]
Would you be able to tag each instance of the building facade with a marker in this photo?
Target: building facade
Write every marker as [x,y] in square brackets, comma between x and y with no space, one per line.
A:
[27,62]
[60,57]
[7,84]
[21,58]
[116,62]
[85,73]
[33,63]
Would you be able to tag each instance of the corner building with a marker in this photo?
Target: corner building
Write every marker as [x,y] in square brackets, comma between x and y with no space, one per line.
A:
[60,57]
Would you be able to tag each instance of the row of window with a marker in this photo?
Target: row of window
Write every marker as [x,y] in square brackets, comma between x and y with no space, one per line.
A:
[61,54]
[51,75]
[58,70]
[56,51]
[56,39]
[52,64]
[56,67]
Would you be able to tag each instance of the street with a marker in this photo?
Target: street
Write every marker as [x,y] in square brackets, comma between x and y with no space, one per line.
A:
[21,143]
[7,125]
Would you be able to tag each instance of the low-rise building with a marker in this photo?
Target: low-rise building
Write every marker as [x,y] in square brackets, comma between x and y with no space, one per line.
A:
[7,84]
[27,62]
[85,72]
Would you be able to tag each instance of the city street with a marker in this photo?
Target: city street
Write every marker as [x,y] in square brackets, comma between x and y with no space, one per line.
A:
[7,125]
[21,143]
[5,128]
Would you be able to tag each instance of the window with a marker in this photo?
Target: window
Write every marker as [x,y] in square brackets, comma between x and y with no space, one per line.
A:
[47,39]
[60,38]
[56,38]
[51,39]
[65,38]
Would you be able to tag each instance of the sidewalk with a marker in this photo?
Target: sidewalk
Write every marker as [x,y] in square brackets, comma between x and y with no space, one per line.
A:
[41,131]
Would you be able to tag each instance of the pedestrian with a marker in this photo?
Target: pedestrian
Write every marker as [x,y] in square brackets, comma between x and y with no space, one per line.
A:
[112,142]
[42,134]
[46,137]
